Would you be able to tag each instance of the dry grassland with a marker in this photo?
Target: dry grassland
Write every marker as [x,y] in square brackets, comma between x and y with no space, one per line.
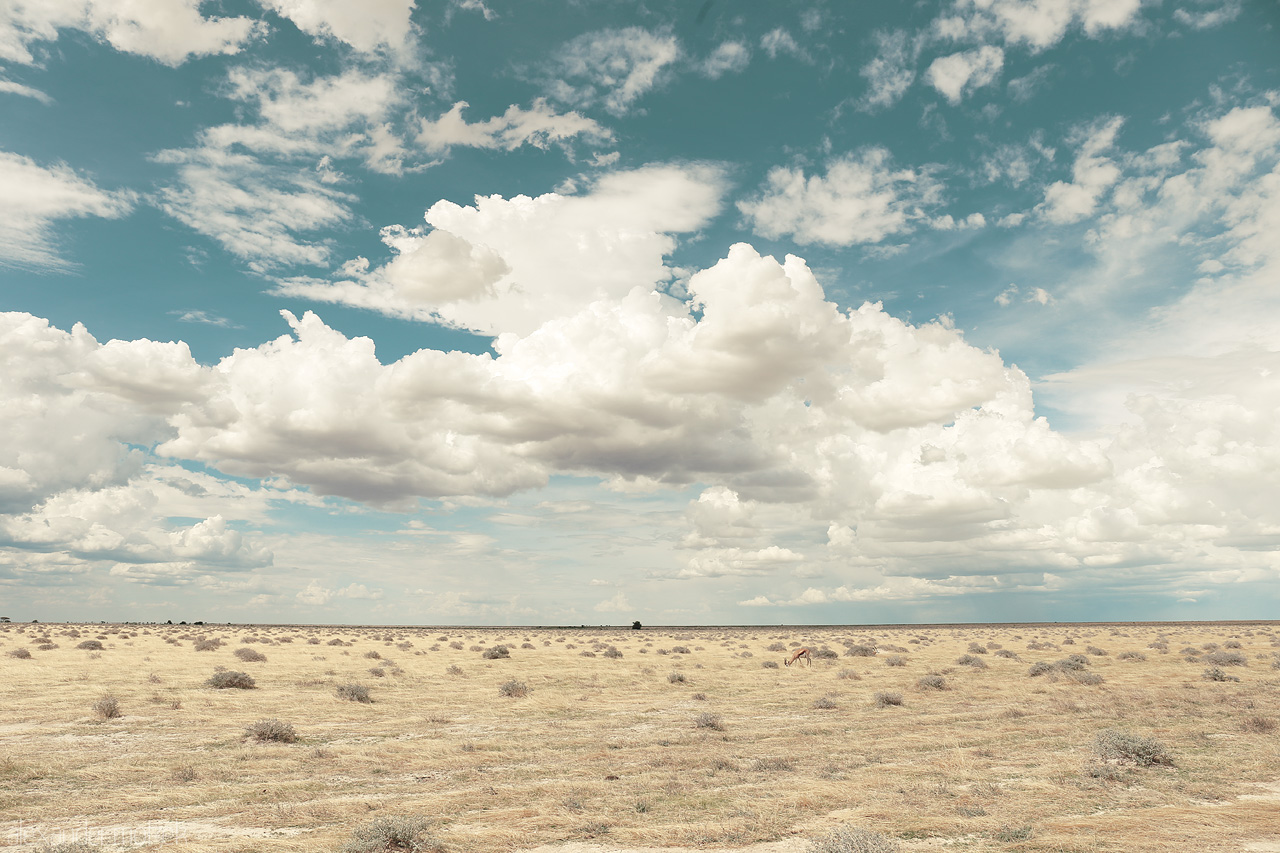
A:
[685,739]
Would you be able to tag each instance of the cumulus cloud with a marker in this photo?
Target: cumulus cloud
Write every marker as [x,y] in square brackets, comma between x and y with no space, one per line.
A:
[511,265]
[539,126]
[368,27]
[958,74]
[36,197]
[613,68]
[168,31]
[72,479]
[862,198]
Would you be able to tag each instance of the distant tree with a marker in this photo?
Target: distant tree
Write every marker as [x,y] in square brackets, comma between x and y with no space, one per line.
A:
[635,626]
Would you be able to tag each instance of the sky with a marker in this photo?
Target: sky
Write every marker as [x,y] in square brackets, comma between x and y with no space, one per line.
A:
[559,313]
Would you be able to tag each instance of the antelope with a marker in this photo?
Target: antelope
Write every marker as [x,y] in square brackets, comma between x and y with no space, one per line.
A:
[797,654]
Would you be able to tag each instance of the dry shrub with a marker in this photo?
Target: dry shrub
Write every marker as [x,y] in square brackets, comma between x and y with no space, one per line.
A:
[885,698]
[770,664]
[775,647]
[1007,653]
[612,652]
[1258,724]
[68,847]
[108,707]
[708,720]
[895,660]
[932,682]
[825,703]
[21,654]
[977,649]
[825,654]
[1123,747]
[676,678]
[272,730]
[354,693]
[91,646]
[393,832]
[514,689]
[1214,673]
[860,651]
[849,675]
[1131,655]
[250,655]
[1226,659]
[1094,650]
[231,679]
[970,660]
[453,669]
[846,839]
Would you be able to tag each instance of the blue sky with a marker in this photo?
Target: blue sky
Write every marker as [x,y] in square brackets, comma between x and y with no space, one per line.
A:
[566,313]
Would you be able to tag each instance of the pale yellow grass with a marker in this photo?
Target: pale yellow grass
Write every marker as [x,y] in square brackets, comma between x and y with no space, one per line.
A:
[605,754]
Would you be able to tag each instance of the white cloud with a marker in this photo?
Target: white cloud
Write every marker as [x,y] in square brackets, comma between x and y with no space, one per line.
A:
[1217,13]
[861,199]
[13,88]
[257,213]
[368,26]
[729,57]
[511,265]
[892,71]
[778,41]
[613,68]
[539,126]
[617,604]
[959,74]
[1093,174]
[35,198]
[168,31]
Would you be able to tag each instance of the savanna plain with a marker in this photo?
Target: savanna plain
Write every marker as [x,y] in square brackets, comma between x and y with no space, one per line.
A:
[1034,737]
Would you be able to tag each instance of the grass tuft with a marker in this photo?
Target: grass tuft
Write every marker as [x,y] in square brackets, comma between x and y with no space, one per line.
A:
[108,707]
[847,839]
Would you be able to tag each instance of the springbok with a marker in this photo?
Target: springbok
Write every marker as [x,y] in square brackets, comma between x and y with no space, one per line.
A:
[797,654]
